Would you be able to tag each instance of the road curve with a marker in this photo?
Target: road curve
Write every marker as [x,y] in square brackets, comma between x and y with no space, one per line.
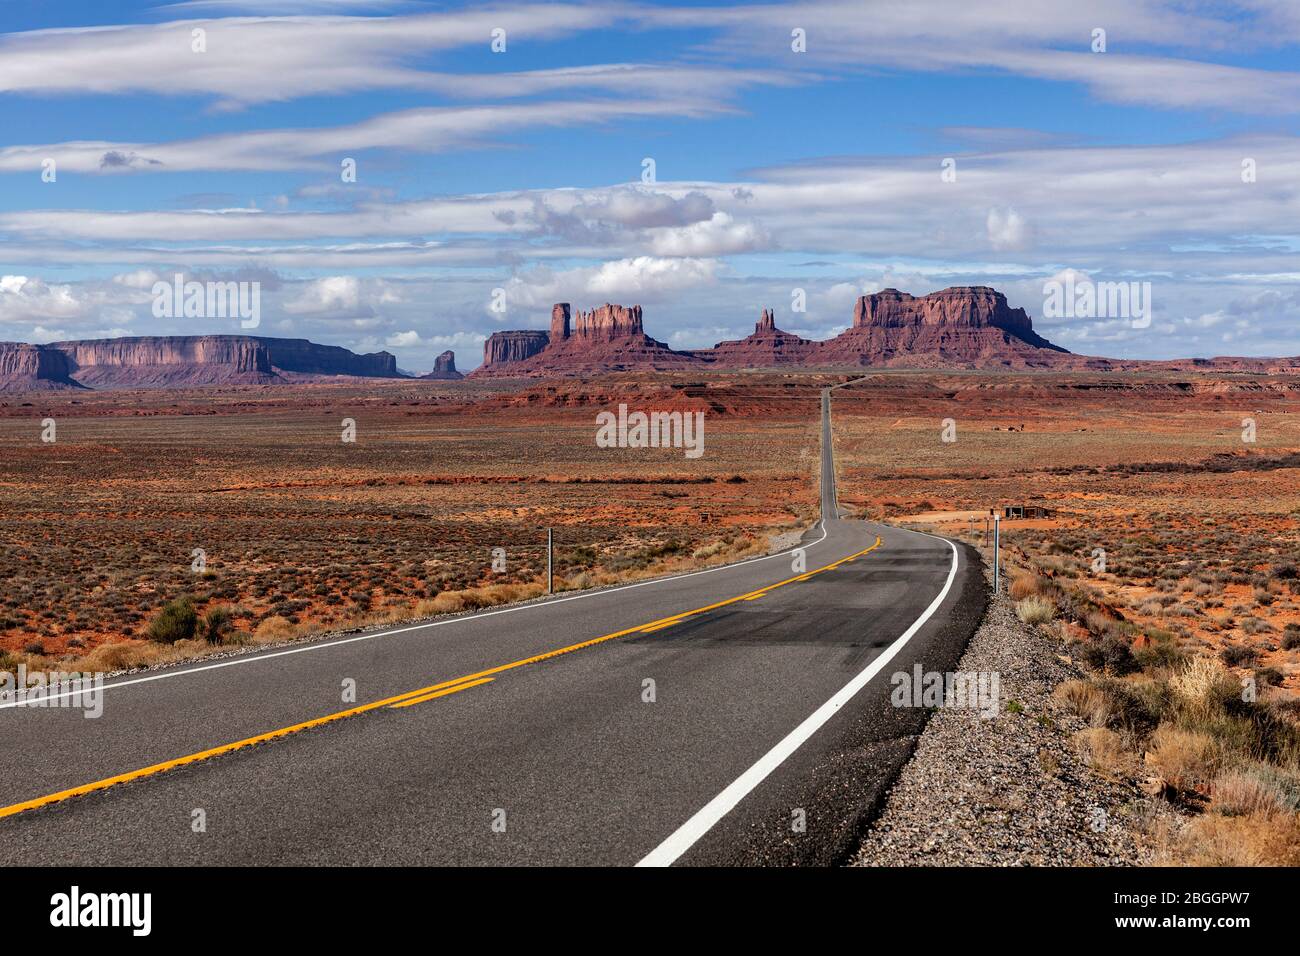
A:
[738,715]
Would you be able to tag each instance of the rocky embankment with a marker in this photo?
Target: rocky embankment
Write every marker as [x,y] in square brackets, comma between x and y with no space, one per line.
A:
[1012,790]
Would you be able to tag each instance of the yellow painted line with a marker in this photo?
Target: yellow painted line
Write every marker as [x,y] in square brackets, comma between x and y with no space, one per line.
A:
[442,693]
[424,693]
[657,627]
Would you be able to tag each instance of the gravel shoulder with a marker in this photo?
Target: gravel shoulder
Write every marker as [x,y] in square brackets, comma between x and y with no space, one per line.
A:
[1013,789]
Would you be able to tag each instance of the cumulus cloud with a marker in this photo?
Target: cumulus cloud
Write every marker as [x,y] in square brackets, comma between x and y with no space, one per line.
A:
[341,297]
[1006,229]
[24,298]
[648,277]
[720,235]
[403,339]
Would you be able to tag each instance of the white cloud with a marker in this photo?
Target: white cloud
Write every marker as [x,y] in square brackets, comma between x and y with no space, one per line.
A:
[339,296]
[424,129]
[721,235]
[1006,229]
[405,339]
[647,277]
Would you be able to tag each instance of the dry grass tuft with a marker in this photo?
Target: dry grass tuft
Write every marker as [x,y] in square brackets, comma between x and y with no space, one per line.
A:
[1257,839]
[1186,760]
[273,629]
[1204,688]
[1025,584]
[1035,610]
[1083,699]
[1239,793]
[1103,750]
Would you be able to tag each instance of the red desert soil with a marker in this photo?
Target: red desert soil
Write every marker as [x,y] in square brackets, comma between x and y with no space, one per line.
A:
[305,532]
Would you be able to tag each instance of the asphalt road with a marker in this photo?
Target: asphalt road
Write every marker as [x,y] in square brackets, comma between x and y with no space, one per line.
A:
[735,716]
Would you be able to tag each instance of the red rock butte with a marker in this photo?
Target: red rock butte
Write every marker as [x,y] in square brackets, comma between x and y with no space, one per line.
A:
[180,361]
[961,327]
[971,326]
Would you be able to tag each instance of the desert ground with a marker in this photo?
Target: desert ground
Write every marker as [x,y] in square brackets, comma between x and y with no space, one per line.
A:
[302,532]
[1157,503]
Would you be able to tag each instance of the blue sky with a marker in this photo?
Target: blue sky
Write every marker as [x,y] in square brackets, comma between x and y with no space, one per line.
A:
[522,170]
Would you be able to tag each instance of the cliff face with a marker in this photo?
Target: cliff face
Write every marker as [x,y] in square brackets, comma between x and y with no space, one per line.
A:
[607,339]
[181,361]
[608,323]
[503,348]
[30,368]
[157,361]
[308,358]
[958,308]
[444,367]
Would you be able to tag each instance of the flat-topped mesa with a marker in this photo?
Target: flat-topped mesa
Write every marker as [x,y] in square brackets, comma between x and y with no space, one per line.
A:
[946,312]
[309,358]
[973,307]
[239,353]
[516,346]
[183,361]
[159,361]
[607,323]
[26,367]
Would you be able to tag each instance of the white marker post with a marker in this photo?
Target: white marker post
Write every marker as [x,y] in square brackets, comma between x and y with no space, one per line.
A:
[997,551]
[550,579]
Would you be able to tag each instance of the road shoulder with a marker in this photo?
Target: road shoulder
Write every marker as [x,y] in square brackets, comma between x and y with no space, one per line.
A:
[1013,789]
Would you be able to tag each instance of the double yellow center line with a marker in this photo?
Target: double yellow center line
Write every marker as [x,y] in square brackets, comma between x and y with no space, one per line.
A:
[432,692]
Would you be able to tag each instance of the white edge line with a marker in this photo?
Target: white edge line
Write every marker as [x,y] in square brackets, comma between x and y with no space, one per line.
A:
[322,645]
[685,836]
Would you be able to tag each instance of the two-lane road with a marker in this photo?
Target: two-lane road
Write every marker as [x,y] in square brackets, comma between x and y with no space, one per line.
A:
[735,715]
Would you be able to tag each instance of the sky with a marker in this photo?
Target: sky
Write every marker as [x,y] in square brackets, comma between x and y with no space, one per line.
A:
[704,161]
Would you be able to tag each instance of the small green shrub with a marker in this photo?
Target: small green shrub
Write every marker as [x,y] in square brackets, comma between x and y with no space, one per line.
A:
[177,621]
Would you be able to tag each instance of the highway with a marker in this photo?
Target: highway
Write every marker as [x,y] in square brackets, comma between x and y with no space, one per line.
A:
[738,715]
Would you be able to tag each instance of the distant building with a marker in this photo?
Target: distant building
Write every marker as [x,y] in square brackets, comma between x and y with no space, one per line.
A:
[1026,511]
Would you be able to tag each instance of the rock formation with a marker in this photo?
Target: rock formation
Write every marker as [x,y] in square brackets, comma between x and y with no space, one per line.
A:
[965,326]
[607,339]
[502,348]
[962,327]
[308,358]
[33,368]
[608,323]
[767,346]
[444,367]
[181,361]
[559,321]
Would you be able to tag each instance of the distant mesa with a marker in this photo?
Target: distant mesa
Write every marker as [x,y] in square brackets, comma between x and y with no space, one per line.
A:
[181,361]
[963,327]
[959,327]
[606,339]
[444,368]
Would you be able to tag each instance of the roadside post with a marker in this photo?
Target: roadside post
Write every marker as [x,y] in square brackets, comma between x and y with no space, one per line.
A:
[997,551]
[550,577]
